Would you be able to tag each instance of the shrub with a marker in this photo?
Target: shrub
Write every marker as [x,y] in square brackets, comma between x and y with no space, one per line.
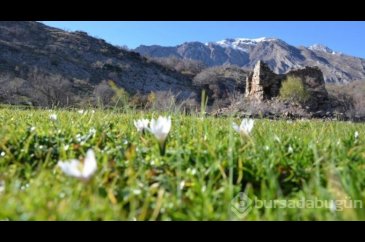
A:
[293,89]
[351,94]
[151,100]
[138,100]
[103,94]
[121,97]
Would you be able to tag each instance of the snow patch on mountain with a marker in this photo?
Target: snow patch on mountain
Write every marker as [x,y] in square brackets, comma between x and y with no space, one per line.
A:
[242,43]
[323,48]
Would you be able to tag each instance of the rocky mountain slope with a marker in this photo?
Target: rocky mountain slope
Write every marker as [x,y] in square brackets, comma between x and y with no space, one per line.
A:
[46,66]
[279,55]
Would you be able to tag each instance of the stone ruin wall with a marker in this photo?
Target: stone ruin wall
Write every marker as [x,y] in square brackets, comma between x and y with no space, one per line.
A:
[263,84]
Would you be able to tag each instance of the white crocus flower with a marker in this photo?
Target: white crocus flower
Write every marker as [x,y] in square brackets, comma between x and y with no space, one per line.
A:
[80,170]
[53,117]
[141,124]
[2,186]
[356,134]
[81,111]
[160,128]
[245,128]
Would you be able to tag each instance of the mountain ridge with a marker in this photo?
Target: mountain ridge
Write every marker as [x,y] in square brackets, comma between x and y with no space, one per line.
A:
[280,56]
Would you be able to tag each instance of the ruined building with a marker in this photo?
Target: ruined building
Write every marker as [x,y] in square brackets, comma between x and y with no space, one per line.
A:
[263,84]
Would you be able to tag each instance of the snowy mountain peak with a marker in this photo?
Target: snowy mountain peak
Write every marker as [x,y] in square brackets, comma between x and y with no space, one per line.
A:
[281,56]
[242,43]
[323,48]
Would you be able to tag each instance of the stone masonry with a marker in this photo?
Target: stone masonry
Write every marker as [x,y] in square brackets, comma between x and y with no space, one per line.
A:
[263,84]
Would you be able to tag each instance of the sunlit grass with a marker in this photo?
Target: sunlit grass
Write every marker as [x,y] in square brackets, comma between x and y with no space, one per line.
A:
[205,166]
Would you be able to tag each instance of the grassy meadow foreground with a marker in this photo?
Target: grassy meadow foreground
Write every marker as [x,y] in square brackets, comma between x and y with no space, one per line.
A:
[206,166]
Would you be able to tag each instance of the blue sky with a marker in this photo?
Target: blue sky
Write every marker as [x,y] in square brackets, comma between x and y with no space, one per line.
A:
[347,37]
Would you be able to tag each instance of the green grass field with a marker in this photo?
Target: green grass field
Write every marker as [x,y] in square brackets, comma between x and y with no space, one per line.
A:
[200,177]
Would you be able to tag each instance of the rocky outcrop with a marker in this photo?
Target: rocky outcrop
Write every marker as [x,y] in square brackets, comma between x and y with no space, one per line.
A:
[221,82]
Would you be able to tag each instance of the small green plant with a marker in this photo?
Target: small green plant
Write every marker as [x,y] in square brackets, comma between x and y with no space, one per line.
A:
[151,100]
[121,97]
[204,103]
[292,89]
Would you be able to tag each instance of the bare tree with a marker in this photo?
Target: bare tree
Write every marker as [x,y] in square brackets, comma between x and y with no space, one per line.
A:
[103,93]
[53,90]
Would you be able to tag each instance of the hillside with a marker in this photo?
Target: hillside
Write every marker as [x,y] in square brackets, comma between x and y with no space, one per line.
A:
[45,66]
